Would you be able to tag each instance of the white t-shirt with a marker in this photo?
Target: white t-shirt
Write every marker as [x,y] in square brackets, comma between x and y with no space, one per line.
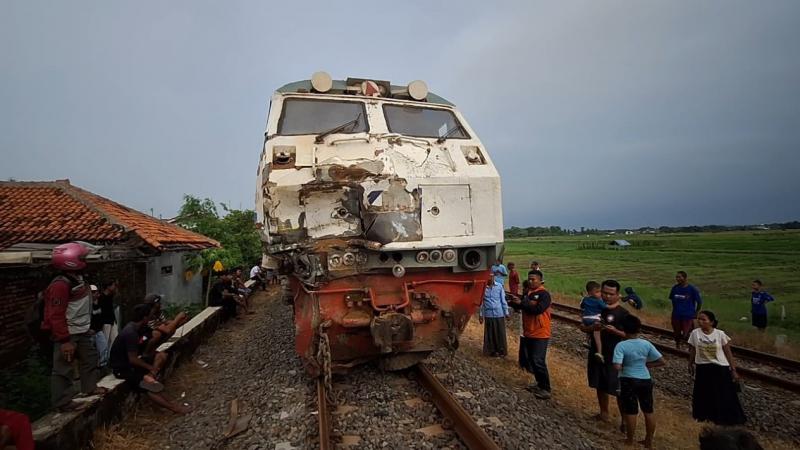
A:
[255,271]
[708,347]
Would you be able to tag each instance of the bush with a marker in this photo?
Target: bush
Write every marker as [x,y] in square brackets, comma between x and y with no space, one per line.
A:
[26,385]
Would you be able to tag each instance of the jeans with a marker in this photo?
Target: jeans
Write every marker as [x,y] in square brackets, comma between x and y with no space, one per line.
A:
[101,343]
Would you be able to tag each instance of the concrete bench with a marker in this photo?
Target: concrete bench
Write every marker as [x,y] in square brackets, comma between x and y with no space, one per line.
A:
[74,430]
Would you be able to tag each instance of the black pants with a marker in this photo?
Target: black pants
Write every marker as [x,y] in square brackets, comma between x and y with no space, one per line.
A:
[533,358]
[228,308]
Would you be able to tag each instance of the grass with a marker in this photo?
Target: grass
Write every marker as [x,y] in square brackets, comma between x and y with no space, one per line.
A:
[721,265]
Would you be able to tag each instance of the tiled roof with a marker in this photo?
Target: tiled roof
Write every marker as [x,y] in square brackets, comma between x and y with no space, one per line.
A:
[52,212]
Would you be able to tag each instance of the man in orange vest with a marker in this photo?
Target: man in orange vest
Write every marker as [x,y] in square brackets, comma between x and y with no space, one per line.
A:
[535,307]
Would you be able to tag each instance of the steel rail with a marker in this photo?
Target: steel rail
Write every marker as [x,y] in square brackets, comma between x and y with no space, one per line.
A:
[745,372]
[755,355]
[323,418]
[464,425]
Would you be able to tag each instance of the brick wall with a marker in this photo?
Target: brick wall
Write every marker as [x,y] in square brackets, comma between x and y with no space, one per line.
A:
[18,288]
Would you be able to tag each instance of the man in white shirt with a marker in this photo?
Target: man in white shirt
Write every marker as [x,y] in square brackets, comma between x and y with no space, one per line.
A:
[256,274]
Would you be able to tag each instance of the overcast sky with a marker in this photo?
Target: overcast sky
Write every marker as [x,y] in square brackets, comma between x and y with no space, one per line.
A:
[596,113]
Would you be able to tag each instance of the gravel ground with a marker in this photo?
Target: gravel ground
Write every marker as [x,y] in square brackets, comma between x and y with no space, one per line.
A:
[769,410]
[386,410]
[252,360]
[513,417]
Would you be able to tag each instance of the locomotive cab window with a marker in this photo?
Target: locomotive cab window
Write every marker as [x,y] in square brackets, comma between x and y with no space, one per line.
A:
[423,122]
[307,116]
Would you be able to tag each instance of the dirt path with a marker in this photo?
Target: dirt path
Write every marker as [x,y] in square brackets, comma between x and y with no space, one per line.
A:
[675,427]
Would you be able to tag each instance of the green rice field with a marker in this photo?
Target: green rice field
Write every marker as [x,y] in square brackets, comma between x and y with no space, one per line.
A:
[722,265]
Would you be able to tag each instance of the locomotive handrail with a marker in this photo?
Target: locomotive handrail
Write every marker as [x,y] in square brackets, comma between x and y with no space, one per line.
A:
[417,283]
[365,290]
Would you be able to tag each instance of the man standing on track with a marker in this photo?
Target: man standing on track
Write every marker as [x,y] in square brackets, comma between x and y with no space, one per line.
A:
[686,303]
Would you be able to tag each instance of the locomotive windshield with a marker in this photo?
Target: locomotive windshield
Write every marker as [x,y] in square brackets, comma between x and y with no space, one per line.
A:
[307,116]
[423,122]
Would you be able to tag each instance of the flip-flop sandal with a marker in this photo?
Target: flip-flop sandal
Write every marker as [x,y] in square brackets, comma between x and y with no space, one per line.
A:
[154,387]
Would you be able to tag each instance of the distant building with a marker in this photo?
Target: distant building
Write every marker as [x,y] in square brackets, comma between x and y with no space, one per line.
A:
[143,253]
[619,244]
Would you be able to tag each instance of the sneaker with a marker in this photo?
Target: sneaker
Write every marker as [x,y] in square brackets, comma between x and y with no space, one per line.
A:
[532,388]
[541,393]
[599,356]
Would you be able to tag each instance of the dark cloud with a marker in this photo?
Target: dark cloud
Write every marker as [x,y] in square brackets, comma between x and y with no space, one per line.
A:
[596,113]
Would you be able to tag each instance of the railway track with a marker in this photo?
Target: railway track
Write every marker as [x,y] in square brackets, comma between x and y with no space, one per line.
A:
[455,417]
[753,356]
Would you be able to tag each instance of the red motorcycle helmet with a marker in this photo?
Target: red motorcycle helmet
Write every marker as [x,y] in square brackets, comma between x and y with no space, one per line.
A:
[71,256]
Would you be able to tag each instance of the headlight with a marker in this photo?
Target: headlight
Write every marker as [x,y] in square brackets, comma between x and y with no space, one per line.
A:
[471,259]
[334,261]
[348,259]
[436,255]
[422,257]
[449,255]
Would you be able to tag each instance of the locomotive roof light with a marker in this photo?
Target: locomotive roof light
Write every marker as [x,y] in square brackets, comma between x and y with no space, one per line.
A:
[321,82]
[449,255]
[422,257]
[418,90]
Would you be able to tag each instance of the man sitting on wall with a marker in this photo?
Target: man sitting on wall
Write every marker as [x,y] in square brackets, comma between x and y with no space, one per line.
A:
[139,372]
[257,275]
[158,329]
[224,294]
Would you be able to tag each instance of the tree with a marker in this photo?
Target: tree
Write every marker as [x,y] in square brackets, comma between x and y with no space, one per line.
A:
[236,232]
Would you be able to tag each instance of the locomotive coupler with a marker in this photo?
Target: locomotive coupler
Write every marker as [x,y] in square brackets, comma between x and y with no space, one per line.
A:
[391,328]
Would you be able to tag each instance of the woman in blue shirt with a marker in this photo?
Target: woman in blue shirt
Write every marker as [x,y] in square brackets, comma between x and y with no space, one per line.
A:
[633,357]
[493,313]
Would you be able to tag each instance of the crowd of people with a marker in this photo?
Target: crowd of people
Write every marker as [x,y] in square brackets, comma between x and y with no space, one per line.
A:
[619,360]
[79,320]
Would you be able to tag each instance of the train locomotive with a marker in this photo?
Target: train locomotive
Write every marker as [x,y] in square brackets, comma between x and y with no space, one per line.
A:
[382,209]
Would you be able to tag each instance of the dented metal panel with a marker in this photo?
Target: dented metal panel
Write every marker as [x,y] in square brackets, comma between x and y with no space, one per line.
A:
[446,210]
[361,222]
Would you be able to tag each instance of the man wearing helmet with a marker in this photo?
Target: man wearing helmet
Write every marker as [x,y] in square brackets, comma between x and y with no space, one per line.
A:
[67,316]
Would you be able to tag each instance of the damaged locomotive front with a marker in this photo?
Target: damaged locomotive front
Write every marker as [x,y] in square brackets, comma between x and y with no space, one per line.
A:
[382,208]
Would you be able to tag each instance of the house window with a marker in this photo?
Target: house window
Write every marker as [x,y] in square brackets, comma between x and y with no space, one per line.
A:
[166,270]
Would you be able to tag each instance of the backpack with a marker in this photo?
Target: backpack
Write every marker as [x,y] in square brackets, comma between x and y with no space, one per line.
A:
[34,316]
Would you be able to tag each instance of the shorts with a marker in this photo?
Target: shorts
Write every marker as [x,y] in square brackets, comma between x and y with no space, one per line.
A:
[635,393]
[590,320]
[603,376]
[133,376]
[760,320]
[683,327]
